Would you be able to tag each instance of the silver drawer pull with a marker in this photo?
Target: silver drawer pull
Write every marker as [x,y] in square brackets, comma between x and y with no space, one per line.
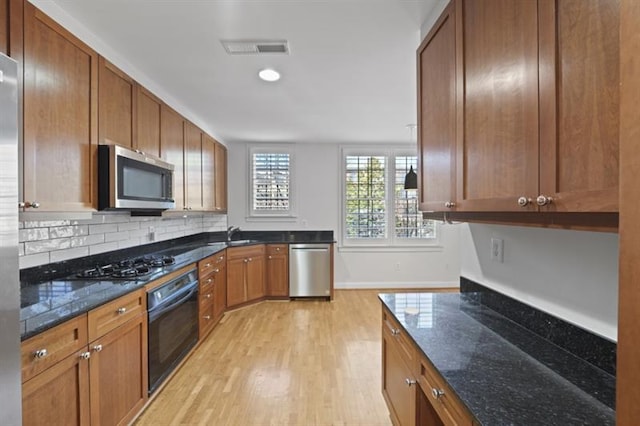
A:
[97,348]
[85,355]
[216,270]
[40,353]
[207,317]
[395,331]
[437,393]
[208,295]
[409,382]
[207,265]
[121,311]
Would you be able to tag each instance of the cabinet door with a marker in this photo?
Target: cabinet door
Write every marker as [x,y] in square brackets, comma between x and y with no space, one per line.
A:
[208,173]
[148,137]
[498,139]
[117,100]
[236,290]
[60,116]
[193,167]
[400,398]
[118,371]
[579,95]
[278,275]
[172,149]
[4,26]
[221,177]
[255,277]
[59,395]
[437,114]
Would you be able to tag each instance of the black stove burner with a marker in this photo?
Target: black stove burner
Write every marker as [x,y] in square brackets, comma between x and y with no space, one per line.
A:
[127,269]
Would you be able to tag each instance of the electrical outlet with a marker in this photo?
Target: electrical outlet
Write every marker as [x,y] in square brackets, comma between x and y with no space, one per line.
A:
[497,250]
[152,233]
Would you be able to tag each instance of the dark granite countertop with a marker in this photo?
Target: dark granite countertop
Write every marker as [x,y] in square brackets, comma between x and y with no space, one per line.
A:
[498,381]
[45,303]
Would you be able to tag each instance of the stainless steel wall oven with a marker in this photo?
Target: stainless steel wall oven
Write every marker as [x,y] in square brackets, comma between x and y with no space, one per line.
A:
[173,325]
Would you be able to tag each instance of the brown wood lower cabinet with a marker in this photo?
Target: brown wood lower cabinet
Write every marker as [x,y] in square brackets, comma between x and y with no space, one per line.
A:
[99,382]
[59,395]
[245,274]
[414,391]
[277,270]
[212,276]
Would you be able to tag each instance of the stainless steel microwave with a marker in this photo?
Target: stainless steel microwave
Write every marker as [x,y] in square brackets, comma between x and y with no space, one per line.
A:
[133,180]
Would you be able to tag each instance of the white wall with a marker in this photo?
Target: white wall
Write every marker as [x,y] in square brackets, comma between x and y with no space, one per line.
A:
[570,274]
[318,208]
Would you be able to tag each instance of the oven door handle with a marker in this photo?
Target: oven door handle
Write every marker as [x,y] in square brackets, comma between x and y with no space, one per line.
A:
[161,309]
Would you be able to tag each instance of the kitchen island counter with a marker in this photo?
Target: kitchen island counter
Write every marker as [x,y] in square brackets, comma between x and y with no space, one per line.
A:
[503,373]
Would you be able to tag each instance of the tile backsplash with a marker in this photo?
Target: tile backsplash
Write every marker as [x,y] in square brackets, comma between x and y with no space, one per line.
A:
[43,242]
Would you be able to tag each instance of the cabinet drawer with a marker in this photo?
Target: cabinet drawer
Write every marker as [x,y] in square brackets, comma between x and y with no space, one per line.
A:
[211,264]
[273,249]
[106,318]
[405,345]
[206,320]
[47,348]
[441,397]
[206,297]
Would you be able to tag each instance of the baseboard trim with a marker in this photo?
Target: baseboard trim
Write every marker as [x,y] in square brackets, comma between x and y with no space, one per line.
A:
[395,285]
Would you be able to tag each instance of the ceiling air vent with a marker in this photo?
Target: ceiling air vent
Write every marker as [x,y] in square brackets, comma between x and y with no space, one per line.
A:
[256,47]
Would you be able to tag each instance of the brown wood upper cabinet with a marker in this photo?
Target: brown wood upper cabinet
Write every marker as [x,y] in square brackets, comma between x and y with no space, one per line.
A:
[117,101]
[60,84]
[208,173]
[148,119]
[220,178]
[172,150]
[193,167]
[536,107]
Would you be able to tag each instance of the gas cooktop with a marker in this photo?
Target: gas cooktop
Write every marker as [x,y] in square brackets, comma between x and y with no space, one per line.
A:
[127,269]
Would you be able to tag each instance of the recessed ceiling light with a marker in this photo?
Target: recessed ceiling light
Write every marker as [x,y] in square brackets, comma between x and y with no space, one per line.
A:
[269,74]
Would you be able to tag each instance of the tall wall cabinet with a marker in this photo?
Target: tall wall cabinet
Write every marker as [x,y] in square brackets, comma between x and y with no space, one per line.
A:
[518,107]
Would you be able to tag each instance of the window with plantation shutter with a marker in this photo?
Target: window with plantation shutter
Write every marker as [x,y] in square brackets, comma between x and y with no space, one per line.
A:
[271,182]
[377,210]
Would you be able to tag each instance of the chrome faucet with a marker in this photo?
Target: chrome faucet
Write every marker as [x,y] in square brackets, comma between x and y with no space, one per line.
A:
[232,230]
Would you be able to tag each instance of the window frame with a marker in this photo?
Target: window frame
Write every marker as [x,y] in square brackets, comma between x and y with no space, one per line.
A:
[275,214]
[391,241]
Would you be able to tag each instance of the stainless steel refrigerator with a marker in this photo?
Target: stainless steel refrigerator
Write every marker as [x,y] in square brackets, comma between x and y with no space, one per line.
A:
[10,383]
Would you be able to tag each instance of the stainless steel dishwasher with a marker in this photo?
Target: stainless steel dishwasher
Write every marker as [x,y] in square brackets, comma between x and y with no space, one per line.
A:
[309,270]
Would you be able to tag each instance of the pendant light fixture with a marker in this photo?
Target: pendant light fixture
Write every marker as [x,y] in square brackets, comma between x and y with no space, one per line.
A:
[411,179]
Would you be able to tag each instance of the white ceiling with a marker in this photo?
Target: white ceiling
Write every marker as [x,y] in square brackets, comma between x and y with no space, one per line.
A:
[350,76]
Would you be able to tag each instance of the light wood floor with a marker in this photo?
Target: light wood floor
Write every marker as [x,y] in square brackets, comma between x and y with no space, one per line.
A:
[283,363]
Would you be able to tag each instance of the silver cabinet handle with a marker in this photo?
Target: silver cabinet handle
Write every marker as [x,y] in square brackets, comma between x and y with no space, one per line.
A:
[543,200]
[207,265]
[449,204]
[209,281]
[246,260]
[208,296]
[121,311]
[216,270]
[409,382]
[524,201]
[269,257]
[207,317]
[250,259]
[85,355]
[40,353]
[21,204]
[32,204]
[277,248]
[437,393]
[97,348]
[395,331]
